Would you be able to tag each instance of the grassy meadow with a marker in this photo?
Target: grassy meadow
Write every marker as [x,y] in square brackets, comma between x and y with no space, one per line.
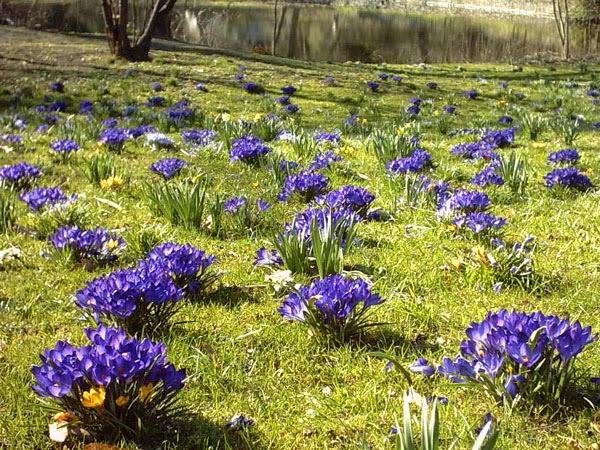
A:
[240,355]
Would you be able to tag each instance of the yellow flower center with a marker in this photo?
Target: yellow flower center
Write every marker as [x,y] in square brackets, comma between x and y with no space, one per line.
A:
[112,244]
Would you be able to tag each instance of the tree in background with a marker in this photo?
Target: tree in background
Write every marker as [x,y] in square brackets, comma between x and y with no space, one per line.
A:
[129,30]
[561,16]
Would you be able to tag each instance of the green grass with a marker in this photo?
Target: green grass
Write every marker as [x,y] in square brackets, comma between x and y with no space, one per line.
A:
[241,357]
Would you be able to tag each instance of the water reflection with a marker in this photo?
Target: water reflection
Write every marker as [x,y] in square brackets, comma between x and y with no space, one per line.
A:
[323,33]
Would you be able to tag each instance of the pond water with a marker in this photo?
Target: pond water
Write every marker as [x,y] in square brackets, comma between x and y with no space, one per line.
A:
[324,33]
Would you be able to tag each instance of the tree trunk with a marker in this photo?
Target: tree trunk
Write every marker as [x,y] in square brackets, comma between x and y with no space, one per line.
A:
[116,22]
[274,42]
[561,18]
[162,28]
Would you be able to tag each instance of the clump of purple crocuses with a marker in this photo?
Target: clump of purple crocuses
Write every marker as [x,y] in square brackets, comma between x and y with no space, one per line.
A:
[142,298]
[199,137]
[252,88]
[44,198]
[116,386]
[570,178]
[19,176]
[568,156]
[304,185]
[487,176]
[324,161]
[355,198]
[512,355]
[168,167]
[99,244]
[65,148]
[335,307]
[114,138]
[248,149]
[420,160]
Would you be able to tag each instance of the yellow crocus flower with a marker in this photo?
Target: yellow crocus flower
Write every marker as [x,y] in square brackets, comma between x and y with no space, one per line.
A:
[146,392]
[94,398]
[122,400]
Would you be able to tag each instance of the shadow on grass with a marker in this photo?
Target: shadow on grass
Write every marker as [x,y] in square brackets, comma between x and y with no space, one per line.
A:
[383,338]
[232,296]
[196,432]
[184,433]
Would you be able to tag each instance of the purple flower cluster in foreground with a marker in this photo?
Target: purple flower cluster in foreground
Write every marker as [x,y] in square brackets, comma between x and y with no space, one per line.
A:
[567,156]
[302,223]
[462,201]
[568,178]
[486,146]
[291,109]
[233,205]
[156,101]
[41,198]
[168,167]
[335,298]
[468,209]
[122,371]
[288,90]
[57,86]
[169,273]
[307,185]
[20,176]
[471,94]
[503,347]
[266,258]
[417,162]
[86,107]
[374,87]
[248,149]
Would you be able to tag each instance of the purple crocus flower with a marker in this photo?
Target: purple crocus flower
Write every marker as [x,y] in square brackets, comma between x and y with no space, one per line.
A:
[235,204]
[65,146]
[568,178]
[422,366]
[373,86]
[567,156]
[168,167]
[248,149]
[288,90]
[306,184]
[470,94]
[252,88]
[450,109]
[266,258]
[291,109]
[19,176]
[41,198]
[335,297]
